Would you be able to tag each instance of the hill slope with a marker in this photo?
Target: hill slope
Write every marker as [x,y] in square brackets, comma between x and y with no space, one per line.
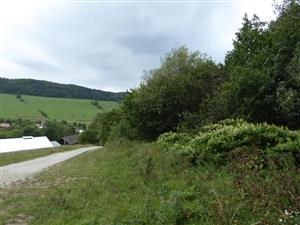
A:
[51,89]
[32,107]
[141,183]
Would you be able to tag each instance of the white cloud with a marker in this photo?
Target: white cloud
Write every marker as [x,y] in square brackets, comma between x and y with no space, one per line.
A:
[263,8]
[108,45]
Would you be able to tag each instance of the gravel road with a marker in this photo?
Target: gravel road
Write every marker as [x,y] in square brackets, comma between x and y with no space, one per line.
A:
[23,170]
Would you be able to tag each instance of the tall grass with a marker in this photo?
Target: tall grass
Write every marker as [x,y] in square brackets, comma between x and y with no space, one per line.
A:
[140,183]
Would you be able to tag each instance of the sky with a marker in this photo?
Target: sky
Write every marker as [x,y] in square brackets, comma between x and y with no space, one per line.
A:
[106,44]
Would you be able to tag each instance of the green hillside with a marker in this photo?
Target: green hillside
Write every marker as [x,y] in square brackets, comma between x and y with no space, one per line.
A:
[55,90]
[79,110]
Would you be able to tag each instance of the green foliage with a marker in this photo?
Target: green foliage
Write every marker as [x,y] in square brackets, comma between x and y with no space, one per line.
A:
[180,85]
[45,115]
[52,129]
[259,82]
[226,172]
[174,141]
[138,183]
[89,136]
[50,89]
[190,122]
[111,126]
[31,131]
[56,130]
[263,70]
[19,128]
[122,131]
[96,104]
[218,143]
[19,97]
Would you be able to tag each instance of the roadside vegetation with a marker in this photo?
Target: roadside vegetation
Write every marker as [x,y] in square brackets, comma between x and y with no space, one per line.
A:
[143,183]
[20,156]
[196,143]
[236,122]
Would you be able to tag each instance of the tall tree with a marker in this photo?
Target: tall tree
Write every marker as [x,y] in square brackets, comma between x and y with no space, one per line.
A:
[263,69]
[182,82]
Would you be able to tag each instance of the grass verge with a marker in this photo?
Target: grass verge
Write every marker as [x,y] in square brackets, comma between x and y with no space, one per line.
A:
[20,156]
[139,183]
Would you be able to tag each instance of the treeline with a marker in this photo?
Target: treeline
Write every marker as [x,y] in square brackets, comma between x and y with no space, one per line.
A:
[258,82]
[54,130]
[223,143]
[50,89]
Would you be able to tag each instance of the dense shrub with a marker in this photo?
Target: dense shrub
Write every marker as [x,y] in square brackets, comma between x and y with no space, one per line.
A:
[182,82]
[54,130]
[263,70]
[90,136]
[99,130]
[109,126]
[219,142]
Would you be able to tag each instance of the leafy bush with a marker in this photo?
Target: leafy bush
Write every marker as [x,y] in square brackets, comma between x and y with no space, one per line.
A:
[110,126]
[89,136]
[55,130]
[45,115]
[96,104]
[221,141]
[117,133]
[179,86]
[174,141]
[262,68]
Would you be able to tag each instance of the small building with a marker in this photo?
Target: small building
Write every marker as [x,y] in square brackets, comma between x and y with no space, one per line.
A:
[70,140]
[24,143]
[5,125]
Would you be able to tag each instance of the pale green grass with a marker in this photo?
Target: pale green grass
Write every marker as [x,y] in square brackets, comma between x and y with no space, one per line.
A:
[71,110]
[142,184]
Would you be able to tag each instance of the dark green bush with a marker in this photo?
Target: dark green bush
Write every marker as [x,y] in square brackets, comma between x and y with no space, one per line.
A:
[110,126]
[89,136]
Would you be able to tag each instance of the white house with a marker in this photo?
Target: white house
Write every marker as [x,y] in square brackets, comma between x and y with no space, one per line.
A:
[24,143]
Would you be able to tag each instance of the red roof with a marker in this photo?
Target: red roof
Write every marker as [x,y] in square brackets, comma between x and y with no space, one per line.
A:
[5,125]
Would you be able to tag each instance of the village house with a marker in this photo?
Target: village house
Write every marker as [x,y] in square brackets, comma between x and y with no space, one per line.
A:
[70,140]
[5,125]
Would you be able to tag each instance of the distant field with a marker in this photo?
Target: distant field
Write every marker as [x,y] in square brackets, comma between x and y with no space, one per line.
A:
[71,110]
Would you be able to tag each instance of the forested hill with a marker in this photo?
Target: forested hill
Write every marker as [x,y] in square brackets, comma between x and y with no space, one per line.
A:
[51,89]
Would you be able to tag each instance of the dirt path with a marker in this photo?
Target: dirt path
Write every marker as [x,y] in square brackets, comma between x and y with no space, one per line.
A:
[23,170]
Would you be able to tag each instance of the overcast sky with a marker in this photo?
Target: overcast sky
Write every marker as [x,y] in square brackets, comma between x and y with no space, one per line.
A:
[108,44]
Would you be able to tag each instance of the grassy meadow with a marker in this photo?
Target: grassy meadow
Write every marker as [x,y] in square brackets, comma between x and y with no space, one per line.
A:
[20,156]
[71,110]
[147,185]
